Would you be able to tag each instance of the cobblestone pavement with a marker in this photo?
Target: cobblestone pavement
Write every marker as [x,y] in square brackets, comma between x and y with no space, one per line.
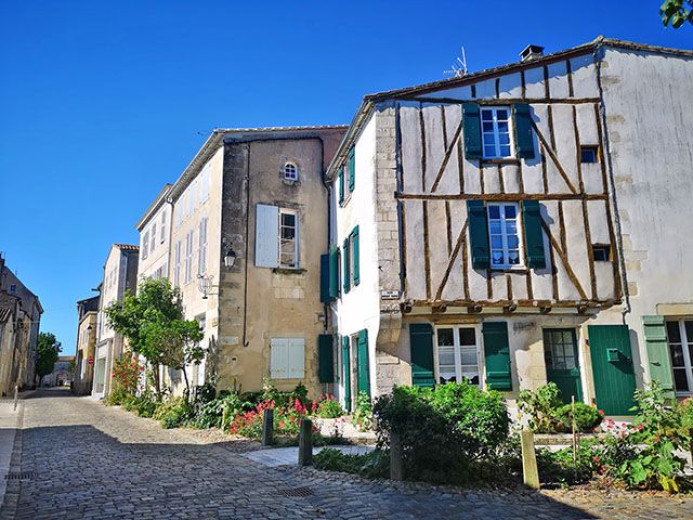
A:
[93,462]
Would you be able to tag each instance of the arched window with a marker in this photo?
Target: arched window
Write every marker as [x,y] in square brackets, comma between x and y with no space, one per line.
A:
[290,172]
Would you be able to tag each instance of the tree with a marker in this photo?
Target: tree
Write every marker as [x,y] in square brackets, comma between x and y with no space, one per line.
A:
[676,12]
[47,350]
[153,323]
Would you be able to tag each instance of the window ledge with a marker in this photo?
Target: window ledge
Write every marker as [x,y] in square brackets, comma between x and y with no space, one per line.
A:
[516,270]
[288,270]
[505,160]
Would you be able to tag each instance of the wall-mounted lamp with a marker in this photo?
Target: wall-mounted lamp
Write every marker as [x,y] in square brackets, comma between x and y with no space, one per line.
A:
[229,258]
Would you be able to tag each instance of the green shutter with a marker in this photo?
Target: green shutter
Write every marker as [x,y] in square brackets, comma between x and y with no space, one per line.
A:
[524,139]
[497,356]
[334,273]
[352,169]
[340,181]
[325,358]
[324,278]
[658,353]
[345,271]
[421,345]
[534,235]
[478,234]
[472,131]
[355,254]
[346,373]
[362,359]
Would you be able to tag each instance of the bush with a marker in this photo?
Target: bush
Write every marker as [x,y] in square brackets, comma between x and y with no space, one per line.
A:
[363,412]
[287,420]
[587,418]
[443,430]
[559,466]
[174,413]
[219,413]
[375,464]
[144,405]
[546,412]
[329,408]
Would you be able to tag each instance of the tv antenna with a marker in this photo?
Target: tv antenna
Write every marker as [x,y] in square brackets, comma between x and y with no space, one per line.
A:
[459,66]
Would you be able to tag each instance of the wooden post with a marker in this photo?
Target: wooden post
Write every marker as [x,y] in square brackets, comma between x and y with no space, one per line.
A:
[267,427]
[305,443]
[529,460]
[396,463]
[575,443]
[16,397]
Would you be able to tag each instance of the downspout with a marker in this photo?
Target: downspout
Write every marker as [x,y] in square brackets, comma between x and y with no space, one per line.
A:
[599,55]
[247,234]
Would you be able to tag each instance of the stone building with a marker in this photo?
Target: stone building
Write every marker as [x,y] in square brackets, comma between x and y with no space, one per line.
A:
[62,374]
[523,224]
[87,312]
[247,230]
[20,314]
[120,276]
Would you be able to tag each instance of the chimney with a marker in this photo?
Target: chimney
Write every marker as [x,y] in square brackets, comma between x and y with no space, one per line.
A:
[532,52]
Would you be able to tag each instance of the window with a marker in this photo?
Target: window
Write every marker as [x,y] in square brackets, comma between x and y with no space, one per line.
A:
[560,349]
[202,252]
[176,264]
[457,355]
[153,245]
[189,238]
[287,358]
[589,154]
[680,338]
[504,236]
[163,227]
[290,172]
[204,181]
[13,288]
[495,132]
[601,252]
[145,245]
[288,238]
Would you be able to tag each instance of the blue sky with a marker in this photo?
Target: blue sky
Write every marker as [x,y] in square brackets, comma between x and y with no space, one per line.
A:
[102,103]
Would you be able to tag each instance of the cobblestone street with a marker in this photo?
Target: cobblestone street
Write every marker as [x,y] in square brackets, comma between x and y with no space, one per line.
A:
[94,462]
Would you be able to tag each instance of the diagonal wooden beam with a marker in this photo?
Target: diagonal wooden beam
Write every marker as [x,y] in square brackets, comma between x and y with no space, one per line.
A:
[448,154]
[451,261]
[564,260]
[554,158]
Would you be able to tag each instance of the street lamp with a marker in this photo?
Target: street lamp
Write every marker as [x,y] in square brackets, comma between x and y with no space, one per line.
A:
[229,258]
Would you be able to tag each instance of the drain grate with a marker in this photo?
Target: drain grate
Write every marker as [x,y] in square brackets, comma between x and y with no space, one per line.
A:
[20,475]
[298,492]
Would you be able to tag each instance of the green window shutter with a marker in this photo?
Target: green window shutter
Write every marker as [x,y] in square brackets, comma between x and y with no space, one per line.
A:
[534,235]
[362,355]
[346,372]
[340,182]
[352,169]
[478,234]
[524,139]
[324,278]
[334,273]
[325,358]
[472,131]
[658,353]
[345,271]
[421,345]
[355,245]
[497,355]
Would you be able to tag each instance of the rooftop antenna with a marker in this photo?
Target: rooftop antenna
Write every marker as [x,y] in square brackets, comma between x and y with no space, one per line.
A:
[459,66]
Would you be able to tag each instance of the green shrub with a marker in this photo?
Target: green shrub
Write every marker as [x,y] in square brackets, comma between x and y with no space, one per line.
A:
[329,408]
[220,412]
[173,413]
[362,417]
[560,467]
[375,464]
[144,405]
[546,412]
[587,418]
[118,396]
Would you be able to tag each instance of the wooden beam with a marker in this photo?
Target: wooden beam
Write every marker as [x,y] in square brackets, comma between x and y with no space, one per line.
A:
[564,260]
[451,260]
[537,304]
[554,158]
[503,101]
[502,197]
[446,159]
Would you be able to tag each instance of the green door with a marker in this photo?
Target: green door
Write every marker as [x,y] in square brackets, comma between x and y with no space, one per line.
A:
[346,373]
[421,345]
[612,368]
[562,362]
[364,378]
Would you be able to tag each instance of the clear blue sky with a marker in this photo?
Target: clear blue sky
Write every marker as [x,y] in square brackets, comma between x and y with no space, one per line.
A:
[101,103]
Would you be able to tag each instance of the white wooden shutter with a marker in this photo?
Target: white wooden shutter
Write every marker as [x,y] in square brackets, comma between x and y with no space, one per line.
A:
[267,236]
[297,349]
[279,362]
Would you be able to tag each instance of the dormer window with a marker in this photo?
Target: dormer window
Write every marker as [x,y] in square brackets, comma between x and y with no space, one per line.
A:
[290,172]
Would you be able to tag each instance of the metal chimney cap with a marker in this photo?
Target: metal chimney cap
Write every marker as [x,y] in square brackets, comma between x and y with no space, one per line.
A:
[532,51]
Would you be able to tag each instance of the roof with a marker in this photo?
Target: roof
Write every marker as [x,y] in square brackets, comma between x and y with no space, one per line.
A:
[127,247]
[154,206]
[403,93]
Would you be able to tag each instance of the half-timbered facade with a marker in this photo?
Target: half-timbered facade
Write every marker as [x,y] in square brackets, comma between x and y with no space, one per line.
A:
[475,232]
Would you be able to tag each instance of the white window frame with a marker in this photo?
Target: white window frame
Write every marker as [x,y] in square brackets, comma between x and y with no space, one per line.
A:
[458,351]
[202,247]
[290,171]
[687,361]
[189,242]
[145,245]
[352,263]
[504,236]
[285,265]
[153,244]
[176,263]
[496,132]
[163,226]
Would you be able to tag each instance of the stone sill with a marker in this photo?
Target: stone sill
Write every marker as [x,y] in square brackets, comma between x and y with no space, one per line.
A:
[288,270]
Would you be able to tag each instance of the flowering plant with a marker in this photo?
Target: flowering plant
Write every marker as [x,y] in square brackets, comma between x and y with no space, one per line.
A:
[126,373]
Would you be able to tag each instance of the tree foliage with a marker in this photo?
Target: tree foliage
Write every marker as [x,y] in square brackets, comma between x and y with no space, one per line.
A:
[153,323]
[676,12]
[47,349]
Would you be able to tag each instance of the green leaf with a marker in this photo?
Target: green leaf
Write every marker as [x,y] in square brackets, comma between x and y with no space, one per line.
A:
[638,472]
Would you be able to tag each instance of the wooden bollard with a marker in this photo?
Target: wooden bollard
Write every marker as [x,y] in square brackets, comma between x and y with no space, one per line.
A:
[530,471]
[305,443]
[396,463]
[267,427]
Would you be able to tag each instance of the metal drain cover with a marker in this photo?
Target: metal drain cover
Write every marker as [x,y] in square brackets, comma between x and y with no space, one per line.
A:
[20,475]
[298,492]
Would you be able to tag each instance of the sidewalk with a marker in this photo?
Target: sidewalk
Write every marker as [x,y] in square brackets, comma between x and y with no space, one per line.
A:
[274,457]
[8,428]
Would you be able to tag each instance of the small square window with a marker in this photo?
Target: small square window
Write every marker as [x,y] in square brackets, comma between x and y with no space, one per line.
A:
[589,154]
[601,252]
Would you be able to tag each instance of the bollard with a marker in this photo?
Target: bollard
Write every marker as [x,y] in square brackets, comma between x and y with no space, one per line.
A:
[305,443]
[16,396]
[396,465]
[267,427]
[529,460]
